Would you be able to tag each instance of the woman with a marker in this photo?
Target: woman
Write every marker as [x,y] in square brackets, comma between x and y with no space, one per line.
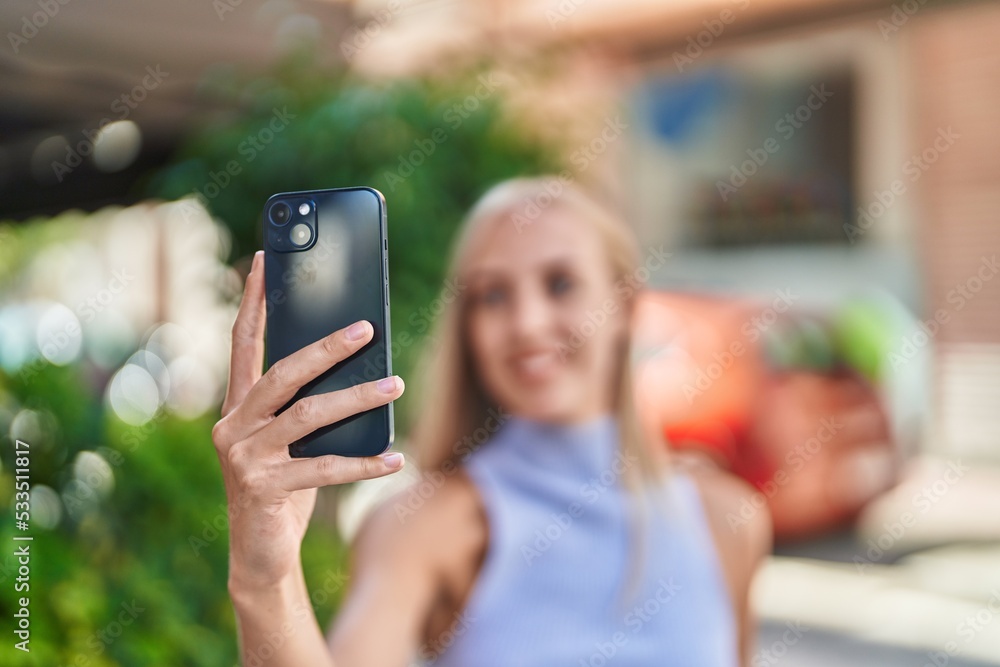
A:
[553,535]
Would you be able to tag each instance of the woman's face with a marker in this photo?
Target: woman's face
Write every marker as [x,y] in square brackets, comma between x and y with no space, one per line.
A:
[545,323]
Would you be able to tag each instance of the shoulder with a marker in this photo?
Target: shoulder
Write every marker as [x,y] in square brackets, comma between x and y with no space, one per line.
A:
[399,570]
[741,530]
[424,526]
[405,560]
[426,543]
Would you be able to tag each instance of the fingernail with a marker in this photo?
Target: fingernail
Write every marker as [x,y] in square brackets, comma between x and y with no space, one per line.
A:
[387,385]
[393,460]
[357,330]
[257,258]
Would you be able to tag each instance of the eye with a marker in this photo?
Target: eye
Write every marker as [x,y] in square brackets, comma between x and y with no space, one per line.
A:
[492,295]
[560,283]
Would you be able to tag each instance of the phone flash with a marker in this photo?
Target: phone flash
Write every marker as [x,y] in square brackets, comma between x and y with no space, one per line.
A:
[303,209]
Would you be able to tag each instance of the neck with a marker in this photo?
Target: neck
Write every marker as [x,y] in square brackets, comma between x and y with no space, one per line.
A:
[577,419]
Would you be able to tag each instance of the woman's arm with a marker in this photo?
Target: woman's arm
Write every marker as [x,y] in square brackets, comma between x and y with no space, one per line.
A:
[741,550]
[271,496]
[276,624]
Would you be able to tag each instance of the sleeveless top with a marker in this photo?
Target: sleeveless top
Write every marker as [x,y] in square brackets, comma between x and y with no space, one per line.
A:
[552,589]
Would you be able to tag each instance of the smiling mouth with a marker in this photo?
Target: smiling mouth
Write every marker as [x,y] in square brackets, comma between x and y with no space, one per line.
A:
[536,366]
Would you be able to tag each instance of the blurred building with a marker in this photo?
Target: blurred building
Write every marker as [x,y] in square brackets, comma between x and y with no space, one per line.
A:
[837,148]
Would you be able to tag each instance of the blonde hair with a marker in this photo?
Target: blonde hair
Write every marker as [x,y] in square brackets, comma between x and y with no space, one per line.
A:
[454,407]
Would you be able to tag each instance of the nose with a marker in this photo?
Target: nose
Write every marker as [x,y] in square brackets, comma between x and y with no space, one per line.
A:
[531,314]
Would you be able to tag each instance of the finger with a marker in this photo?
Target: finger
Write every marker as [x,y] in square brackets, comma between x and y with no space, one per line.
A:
[286,376]
[313,412]
[331,469]
[248,337]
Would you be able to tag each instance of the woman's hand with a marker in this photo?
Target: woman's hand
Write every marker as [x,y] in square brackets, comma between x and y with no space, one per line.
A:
[271,495]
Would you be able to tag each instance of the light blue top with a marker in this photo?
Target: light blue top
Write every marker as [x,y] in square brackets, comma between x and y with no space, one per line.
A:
[549,592]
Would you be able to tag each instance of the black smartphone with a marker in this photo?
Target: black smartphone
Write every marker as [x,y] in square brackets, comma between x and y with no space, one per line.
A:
[326,266]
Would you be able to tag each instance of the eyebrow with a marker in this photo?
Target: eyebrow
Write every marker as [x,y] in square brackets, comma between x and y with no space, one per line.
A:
[478,274]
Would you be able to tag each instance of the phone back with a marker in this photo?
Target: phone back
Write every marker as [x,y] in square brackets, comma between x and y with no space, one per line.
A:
[337,277]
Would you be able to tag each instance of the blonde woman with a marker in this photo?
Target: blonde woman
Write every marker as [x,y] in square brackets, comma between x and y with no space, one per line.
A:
[555,535]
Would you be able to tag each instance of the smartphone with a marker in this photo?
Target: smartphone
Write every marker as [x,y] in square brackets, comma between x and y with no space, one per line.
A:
[326,266]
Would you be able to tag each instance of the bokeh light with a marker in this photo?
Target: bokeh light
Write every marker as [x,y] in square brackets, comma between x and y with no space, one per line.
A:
[46,507]
[59,336]
[117,145]
[134,395]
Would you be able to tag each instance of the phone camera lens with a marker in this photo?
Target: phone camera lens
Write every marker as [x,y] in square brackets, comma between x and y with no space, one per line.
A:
[280,213]
[301,235]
